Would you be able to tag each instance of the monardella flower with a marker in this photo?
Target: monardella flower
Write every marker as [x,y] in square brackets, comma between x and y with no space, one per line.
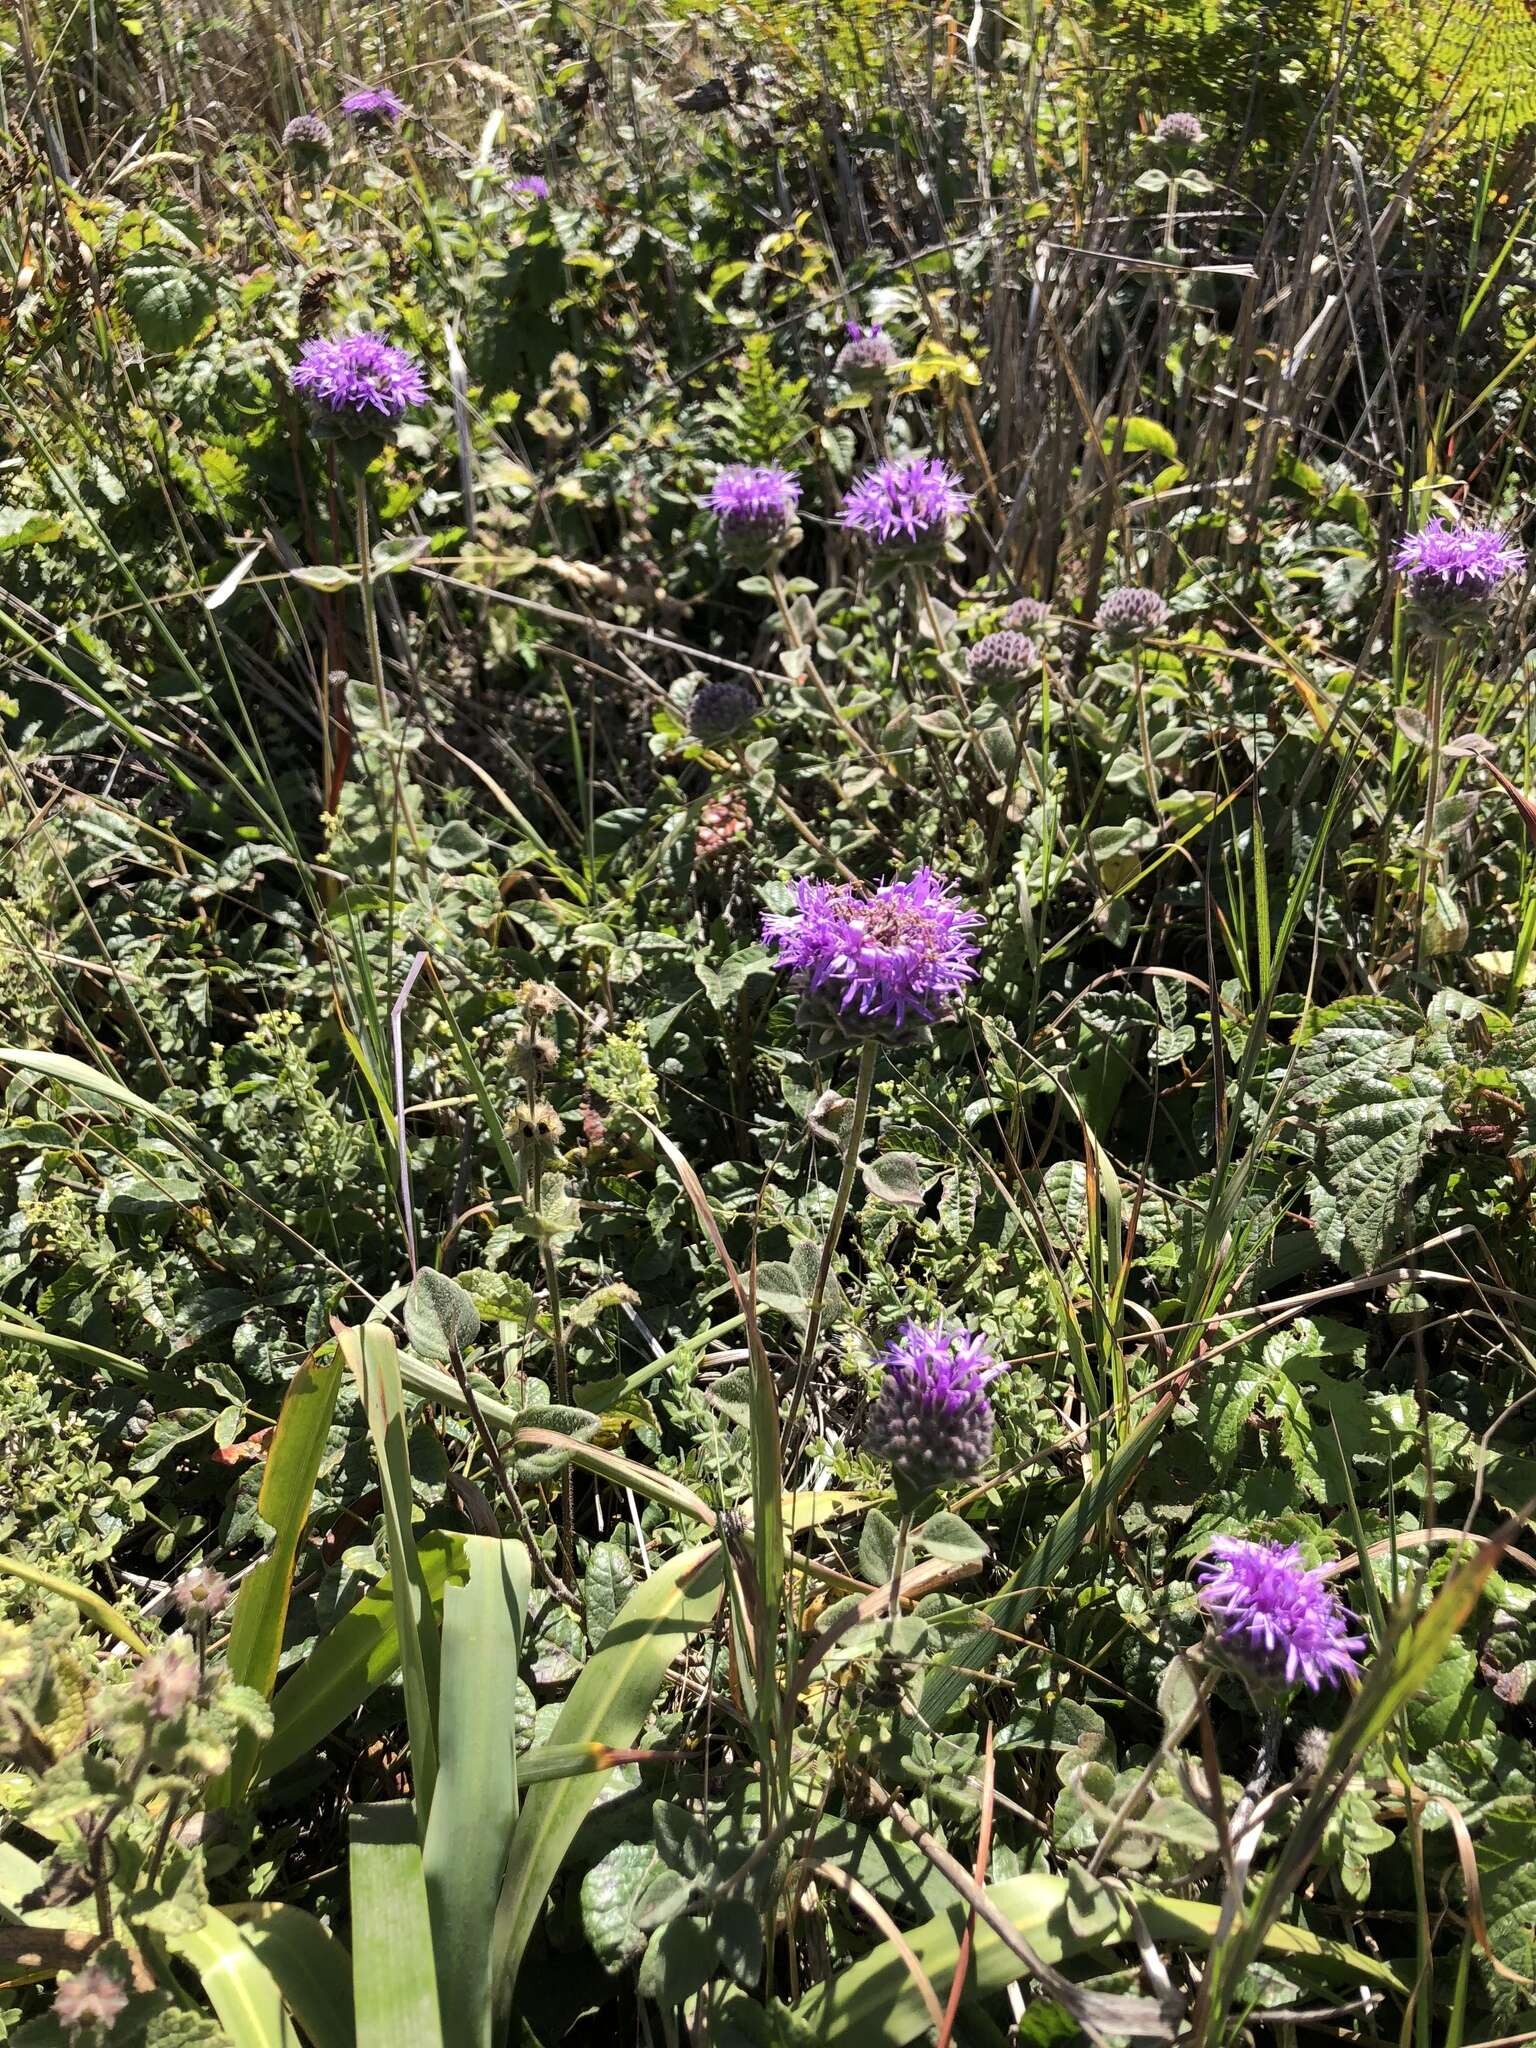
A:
[1455,572]
[92,1997]
[879,963]
[866,356]
[1027,615]
[1130,614]
[932,1421]
[375,106]
[905,506]
[1275,1619]
[307,136]
[1183,131]
[358,384]
[1002,657]
[530,186]
[755,509]
[720,710]
[201,1593]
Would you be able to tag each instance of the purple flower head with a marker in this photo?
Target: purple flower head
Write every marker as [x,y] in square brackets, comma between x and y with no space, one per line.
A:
[530,186]
[1027,615]
[375,106]
[1276,1619]
[755,508]
[1001,657]
[883,961]
[932,1421]
[905,505]
[866,356]
[1456,571]
[1130,614]
[92,1997]
[307,135]
[1182,131]
[358,384]
[720,710]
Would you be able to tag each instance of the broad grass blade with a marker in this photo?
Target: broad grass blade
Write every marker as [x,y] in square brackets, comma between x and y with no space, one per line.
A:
[394,1983]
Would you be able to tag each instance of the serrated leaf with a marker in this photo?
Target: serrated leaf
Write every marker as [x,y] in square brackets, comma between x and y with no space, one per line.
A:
[611,1892]
[606,1584]
[1372,1145]
[167,300]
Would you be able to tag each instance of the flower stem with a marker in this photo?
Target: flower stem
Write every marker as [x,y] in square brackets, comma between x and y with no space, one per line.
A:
[898,1566]
[1431,796]
[370,613]
[869,1054]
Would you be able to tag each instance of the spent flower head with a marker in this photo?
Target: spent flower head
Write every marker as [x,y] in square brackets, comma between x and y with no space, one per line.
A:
[307,136]
[906,506]
[1131,614]
[374,107]
[358,385]
[1002,657]
[92,1997]
[932,1421]
[880,963]
[1181,131]
[720,710]
[1275,1619]
[1455,572]
[755,508]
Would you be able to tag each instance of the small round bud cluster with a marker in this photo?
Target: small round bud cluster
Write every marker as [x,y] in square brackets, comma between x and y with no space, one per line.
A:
[867,357]
[1002,657]
[92,1997]
[1130,614]
[932,1421]
[723,826]
[201,1593]
[1027,615]
[307,136]
[1180,131]
[719,711]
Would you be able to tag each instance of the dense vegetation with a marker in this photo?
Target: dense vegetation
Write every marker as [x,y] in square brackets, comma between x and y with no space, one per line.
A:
[476,1564]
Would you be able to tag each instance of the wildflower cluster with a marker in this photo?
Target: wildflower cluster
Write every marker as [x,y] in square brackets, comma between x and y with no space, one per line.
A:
[755,509]
[887,963]
[932,1421]
[905,507]
[719,711]
[1275,1620]
[358,385]
[374,108]
[867,357]
[1454,573]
